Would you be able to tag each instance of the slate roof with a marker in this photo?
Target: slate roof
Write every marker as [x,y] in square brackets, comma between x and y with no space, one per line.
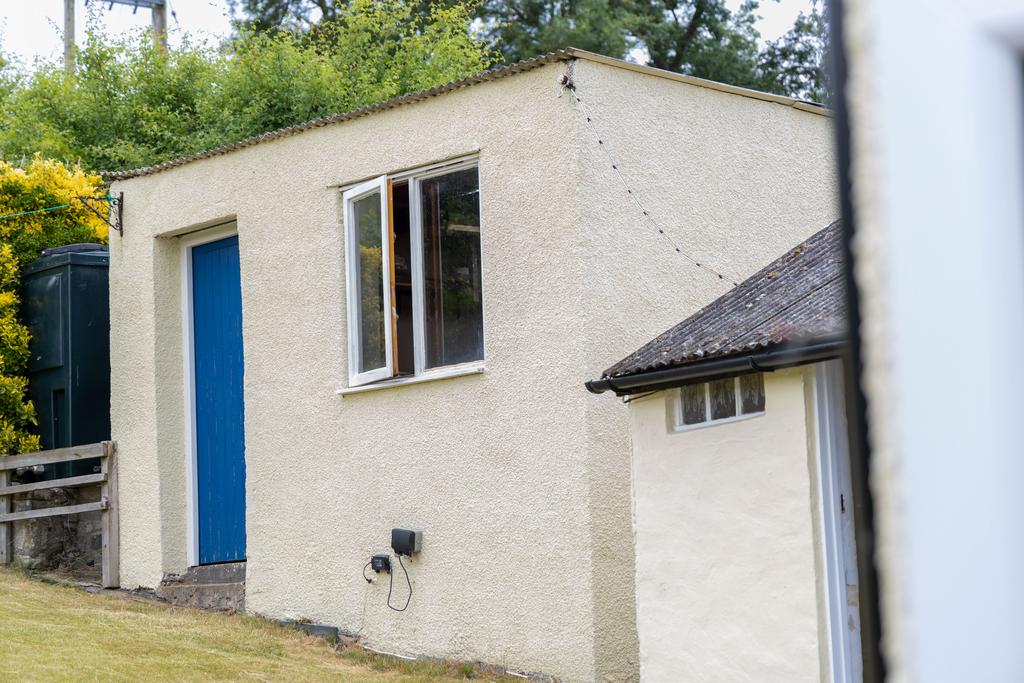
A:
[797,298]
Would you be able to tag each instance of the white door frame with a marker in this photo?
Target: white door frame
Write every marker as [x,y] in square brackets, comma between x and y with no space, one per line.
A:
[188,242]
[838,531]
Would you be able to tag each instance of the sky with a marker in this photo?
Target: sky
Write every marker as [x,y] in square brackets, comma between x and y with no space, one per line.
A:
[33,29]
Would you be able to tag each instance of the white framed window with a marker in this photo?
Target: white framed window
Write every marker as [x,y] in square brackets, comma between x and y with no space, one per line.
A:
[413,273]
[368,261]
[723,400]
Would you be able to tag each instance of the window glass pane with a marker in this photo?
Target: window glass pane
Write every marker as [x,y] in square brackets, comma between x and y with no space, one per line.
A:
[723,398]
[453,305]
[752,393]
[694,408]
[404,362]
[367,218]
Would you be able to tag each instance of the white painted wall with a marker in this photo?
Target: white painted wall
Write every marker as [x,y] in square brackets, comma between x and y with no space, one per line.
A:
[726,580]
[937,114]
[518,476]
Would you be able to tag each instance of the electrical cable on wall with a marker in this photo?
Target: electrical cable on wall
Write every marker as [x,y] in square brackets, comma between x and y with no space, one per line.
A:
[405,542]
[568,85]
[382,563]
[391,584]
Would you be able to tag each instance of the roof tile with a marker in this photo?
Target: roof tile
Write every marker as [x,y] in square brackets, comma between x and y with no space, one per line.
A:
[797,297]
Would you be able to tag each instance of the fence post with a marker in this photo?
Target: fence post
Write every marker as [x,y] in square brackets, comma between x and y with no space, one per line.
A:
[6,528]
[109,522]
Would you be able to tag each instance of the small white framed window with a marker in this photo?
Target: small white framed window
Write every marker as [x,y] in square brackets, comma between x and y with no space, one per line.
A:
[413,273]
[722,400]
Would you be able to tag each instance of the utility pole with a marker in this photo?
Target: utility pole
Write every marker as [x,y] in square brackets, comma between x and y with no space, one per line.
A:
[157,8]
[69,35]
[159,19]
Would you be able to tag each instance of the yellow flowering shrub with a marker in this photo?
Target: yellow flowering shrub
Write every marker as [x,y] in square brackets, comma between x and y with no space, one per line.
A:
[43,184]
[17,415]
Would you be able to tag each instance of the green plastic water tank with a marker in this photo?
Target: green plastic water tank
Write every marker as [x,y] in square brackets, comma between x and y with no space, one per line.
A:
[65,302]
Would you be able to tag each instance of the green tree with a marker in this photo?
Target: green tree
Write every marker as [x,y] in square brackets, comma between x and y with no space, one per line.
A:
[131,104]
[294,15]
[705,38]
[698,37]
[518,29]
[303,16]
[524,28]
[701,38]
[798,60]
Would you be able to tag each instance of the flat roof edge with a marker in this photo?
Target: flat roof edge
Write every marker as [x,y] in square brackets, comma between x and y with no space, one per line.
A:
[394,102]
[796,103]
[495,73]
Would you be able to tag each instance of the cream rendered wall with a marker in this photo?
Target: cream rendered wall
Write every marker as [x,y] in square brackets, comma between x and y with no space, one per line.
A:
[735,181]
[519,477]
[726,579]
[505,572]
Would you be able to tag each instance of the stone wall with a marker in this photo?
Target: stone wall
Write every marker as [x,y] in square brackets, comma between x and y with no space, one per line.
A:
[68,543]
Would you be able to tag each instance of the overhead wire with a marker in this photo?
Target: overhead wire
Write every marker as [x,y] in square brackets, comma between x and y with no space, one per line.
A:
[29,213]
[58,207]
[569,86]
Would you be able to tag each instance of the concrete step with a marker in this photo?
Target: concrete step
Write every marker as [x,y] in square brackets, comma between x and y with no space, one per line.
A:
[218,587]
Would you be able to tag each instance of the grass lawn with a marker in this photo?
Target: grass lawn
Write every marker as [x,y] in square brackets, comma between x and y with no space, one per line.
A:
[61,633]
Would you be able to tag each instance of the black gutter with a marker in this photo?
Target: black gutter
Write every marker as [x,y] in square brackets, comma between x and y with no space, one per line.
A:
[718,368]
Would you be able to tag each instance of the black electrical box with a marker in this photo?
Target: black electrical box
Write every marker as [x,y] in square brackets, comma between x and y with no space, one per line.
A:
[406,541]
[380,563]
[65,303]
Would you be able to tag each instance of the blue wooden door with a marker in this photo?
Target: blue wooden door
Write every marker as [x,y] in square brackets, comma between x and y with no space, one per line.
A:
[220,436]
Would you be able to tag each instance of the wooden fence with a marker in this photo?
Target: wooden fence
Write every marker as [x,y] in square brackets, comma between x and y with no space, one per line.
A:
[107,504]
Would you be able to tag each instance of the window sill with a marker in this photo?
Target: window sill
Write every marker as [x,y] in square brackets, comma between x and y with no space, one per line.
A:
[463,370]
[679,429]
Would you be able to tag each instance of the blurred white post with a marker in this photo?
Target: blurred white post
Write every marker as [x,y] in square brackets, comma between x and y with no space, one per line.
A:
[936,102]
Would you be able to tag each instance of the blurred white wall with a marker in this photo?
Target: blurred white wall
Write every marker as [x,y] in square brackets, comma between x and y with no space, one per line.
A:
[935,97]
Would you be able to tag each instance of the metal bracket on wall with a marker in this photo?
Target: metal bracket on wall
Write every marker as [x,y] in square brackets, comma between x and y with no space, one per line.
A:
[114,219]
